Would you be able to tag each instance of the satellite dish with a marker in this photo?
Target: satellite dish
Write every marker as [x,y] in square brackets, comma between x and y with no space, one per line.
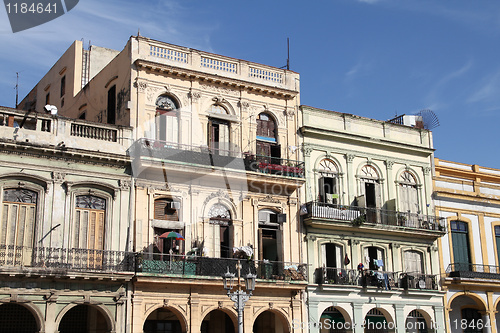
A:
[51,108]
[429,119]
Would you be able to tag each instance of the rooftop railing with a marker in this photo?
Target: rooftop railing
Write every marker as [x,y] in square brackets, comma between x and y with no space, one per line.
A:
[375,278]
[373,216]
[190,266]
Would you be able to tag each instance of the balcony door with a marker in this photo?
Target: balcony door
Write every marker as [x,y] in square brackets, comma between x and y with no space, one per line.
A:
[460,245]
[166,120]
[218,137]
[18,225]
[88,234]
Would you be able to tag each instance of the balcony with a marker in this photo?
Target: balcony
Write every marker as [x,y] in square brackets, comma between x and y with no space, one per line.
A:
[473,271]
[62,133]
[161,151]
[378,279]
[64,262]
[194,266]
[358,216]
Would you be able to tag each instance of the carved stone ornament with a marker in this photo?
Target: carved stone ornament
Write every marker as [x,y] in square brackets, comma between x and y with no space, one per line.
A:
[426,170]
[58,177]
[218,194]
[271,305]
[270,199]
[244,105]
[124,184]
[220,304]
[349,158]
[307,151]
[290,112]
[219,90]
[194,96]
[389,164]
[141,86]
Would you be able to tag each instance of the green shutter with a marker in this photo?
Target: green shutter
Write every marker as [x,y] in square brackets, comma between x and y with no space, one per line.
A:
[460,245]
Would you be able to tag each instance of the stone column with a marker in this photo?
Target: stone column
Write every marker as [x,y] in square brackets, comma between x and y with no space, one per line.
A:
[439,319]
[399,320]
[195,308]
[313,318]
[357,318]
[351,179]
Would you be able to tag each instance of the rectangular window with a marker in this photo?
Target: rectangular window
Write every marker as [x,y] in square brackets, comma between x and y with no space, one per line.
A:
[112,105]
[63,85]
[460,244]
[47,99]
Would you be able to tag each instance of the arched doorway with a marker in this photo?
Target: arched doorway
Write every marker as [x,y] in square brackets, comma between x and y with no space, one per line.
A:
[376,322]
[162,320]
[270,322]
[416,323]
[84,319]
[333,321]
[17,318]
[217,321]
[467,310]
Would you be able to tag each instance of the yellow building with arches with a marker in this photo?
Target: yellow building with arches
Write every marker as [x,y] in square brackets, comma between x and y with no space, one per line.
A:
[468,197]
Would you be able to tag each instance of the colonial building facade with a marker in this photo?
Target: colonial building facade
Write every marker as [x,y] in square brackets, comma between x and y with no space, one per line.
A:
[65,241]
[216,174]
[468,197]
[371,230]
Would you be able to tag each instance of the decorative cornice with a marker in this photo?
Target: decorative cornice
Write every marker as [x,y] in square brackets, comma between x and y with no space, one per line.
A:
[206,77]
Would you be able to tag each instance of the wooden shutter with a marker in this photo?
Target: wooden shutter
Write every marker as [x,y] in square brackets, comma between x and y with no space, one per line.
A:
[261,246]
[322,193]
[224,138]
[460,245]
[279,244]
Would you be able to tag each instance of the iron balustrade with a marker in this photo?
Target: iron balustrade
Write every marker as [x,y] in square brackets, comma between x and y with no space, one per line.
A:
[191,266]
[360,215]
[467,270]
[208,156]
[61,259]
[374,278]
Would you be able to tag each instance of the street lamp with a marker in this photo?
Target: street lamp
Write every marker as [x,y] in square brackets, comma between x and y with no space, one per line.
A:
[239,297]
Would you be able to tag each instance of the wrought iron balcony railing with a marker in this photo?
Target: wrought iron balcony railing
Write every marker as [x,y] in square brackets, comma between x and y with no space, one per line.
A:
[65,260]
[207,156]
[359,216]
[371,278]
[466,270]
[189,266]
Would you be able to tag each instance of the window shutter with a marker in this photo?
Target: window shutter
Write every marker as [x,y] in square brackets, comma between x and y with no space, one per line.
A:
[11,233]
[3,227]
[322,193]
[279,244]
[338,257]
[261,246]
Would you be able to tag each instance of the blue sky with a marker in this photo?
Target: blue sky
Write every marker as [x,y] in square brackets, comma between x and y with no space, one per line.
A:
[373,58]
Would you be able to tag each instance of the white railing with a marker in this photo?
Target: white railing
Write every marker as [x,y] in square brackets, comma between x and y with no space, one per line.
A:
[169,54]
[219,65]
[266,75]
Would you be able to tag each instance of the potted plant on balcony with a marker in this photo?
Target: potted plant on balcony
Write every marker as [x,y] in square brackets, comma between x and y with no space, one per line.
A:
[402,219]
[359,220]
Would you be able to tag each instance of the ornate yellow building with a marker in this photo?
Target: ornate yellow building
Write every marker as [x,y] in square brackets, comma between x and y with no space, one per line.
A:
[468,197]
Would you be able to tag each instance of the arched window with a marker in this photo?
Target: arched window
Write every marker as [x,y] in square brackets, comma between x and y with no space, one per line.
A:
[218,131]
[90,217]
[166,121]
[267,144]
[370,196]
[328,185]
[220,216]
[18,222]
[374,258]
[408,194]
[413,262]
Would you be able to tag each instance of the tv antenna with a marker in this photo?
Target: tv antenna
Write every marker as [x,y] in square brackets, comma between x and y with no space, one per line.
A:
[288,54]
[17,88]
[429,118]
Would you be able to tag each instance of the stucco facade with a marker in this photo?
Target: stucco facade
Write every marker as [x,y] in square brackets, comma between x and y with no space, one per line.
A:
[215,159]
[62,257]
[371,232]
[468,197]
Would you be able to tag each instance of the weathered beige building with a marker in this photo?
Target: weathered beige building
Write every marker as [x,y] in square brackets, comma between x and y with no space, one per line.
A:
[214,159]
[371,232]
[65,241]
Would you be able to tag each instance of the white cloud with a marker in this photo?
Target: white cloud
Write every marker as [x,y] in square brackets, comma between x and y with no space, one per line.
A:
[488,90]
